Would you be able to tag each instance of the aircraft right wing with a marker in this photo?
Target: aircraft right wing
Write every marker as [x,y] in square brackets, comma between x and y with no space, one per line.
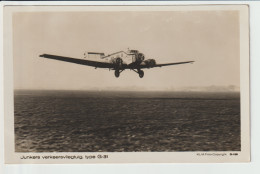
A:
[160,65]
[79,61]
[176,63]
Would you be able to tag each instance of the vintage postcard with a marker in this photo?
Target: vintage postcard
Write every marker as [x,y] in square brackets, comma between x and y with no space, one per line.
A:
[126,84]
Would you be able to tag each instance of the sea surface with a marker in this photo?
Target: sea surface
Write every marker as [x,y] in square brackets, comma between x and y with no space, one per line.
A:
[106,121]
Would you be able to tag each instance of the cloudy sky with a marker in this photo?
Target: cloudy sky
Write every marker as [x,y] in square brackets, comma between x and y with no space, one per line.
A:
[210,38]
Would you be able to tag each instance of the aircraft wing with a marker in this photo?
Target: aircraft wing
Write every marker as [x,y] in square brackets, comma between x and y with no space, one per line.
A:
[79,61]
[165,64]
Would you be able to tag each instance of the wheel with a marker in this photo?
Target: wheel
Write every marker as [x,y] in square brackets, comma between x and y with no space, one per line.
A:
[141,73]
[117,73]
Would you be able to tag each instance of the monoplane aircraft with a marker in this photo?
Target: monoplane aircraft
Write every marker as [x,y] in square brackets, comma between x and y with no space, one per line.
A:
[118,61]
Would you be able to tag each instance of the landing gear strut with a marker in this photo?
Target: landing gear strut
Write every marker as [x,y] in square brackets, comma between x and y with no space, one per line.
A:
[141,73]
[117,73]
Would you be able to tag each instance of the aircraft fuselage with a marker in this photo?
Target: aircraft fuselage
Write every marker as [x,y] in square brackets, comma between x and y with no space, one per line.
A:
[122,58]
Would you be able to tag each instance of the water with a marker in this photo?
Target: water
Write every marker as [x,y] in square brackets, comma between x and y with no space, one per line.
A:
[78,121]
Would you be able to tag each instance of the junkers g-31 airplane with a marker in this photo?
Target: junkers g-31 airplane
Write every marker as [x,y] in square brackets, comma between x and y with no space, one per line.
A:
[118,61]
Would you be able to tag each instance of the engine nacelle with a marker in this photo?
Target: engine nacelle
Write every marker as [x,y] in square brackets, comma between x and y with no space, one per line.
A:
[150,62]
[117,61]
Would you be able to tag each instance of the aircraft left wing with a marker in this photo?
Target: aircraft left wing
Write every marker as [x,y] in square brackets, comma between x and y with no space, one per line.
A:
[166,64]
[79,61]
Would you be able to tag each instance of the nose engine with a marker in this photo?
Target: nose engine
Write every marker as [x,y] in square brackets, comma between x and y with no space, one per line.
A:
[140,57]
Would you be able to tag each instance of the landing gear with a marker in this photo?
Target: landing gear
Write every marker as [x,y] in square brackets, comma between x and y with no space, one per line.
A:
[117,73]
[141,73]
[138,71]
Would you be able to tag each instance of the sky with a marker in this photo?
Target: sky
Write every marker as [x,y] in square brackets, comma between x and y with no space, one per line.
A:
[210,38]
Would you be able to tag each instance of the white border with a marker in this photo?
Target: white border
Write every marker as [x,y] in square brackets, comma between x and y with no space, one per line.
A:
[253,167]
[128,157]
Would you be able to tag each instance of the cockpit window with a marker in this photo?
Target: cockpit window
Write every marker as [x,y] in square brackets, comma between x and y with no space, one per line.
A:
[133,51]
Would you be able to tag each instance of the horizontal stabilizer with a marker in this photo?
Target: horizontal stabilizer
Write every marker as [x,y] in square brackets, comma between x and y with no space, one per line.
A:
[102,54]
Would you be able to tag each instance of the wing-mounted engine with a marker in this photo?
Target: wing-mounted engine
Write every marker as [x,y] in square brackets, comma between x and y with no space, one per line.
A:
[118,62]
[150,63]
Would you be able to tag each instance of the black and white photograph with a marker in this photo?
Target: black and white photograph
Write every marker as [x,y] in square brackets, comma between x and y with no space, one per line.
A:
[141,80]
